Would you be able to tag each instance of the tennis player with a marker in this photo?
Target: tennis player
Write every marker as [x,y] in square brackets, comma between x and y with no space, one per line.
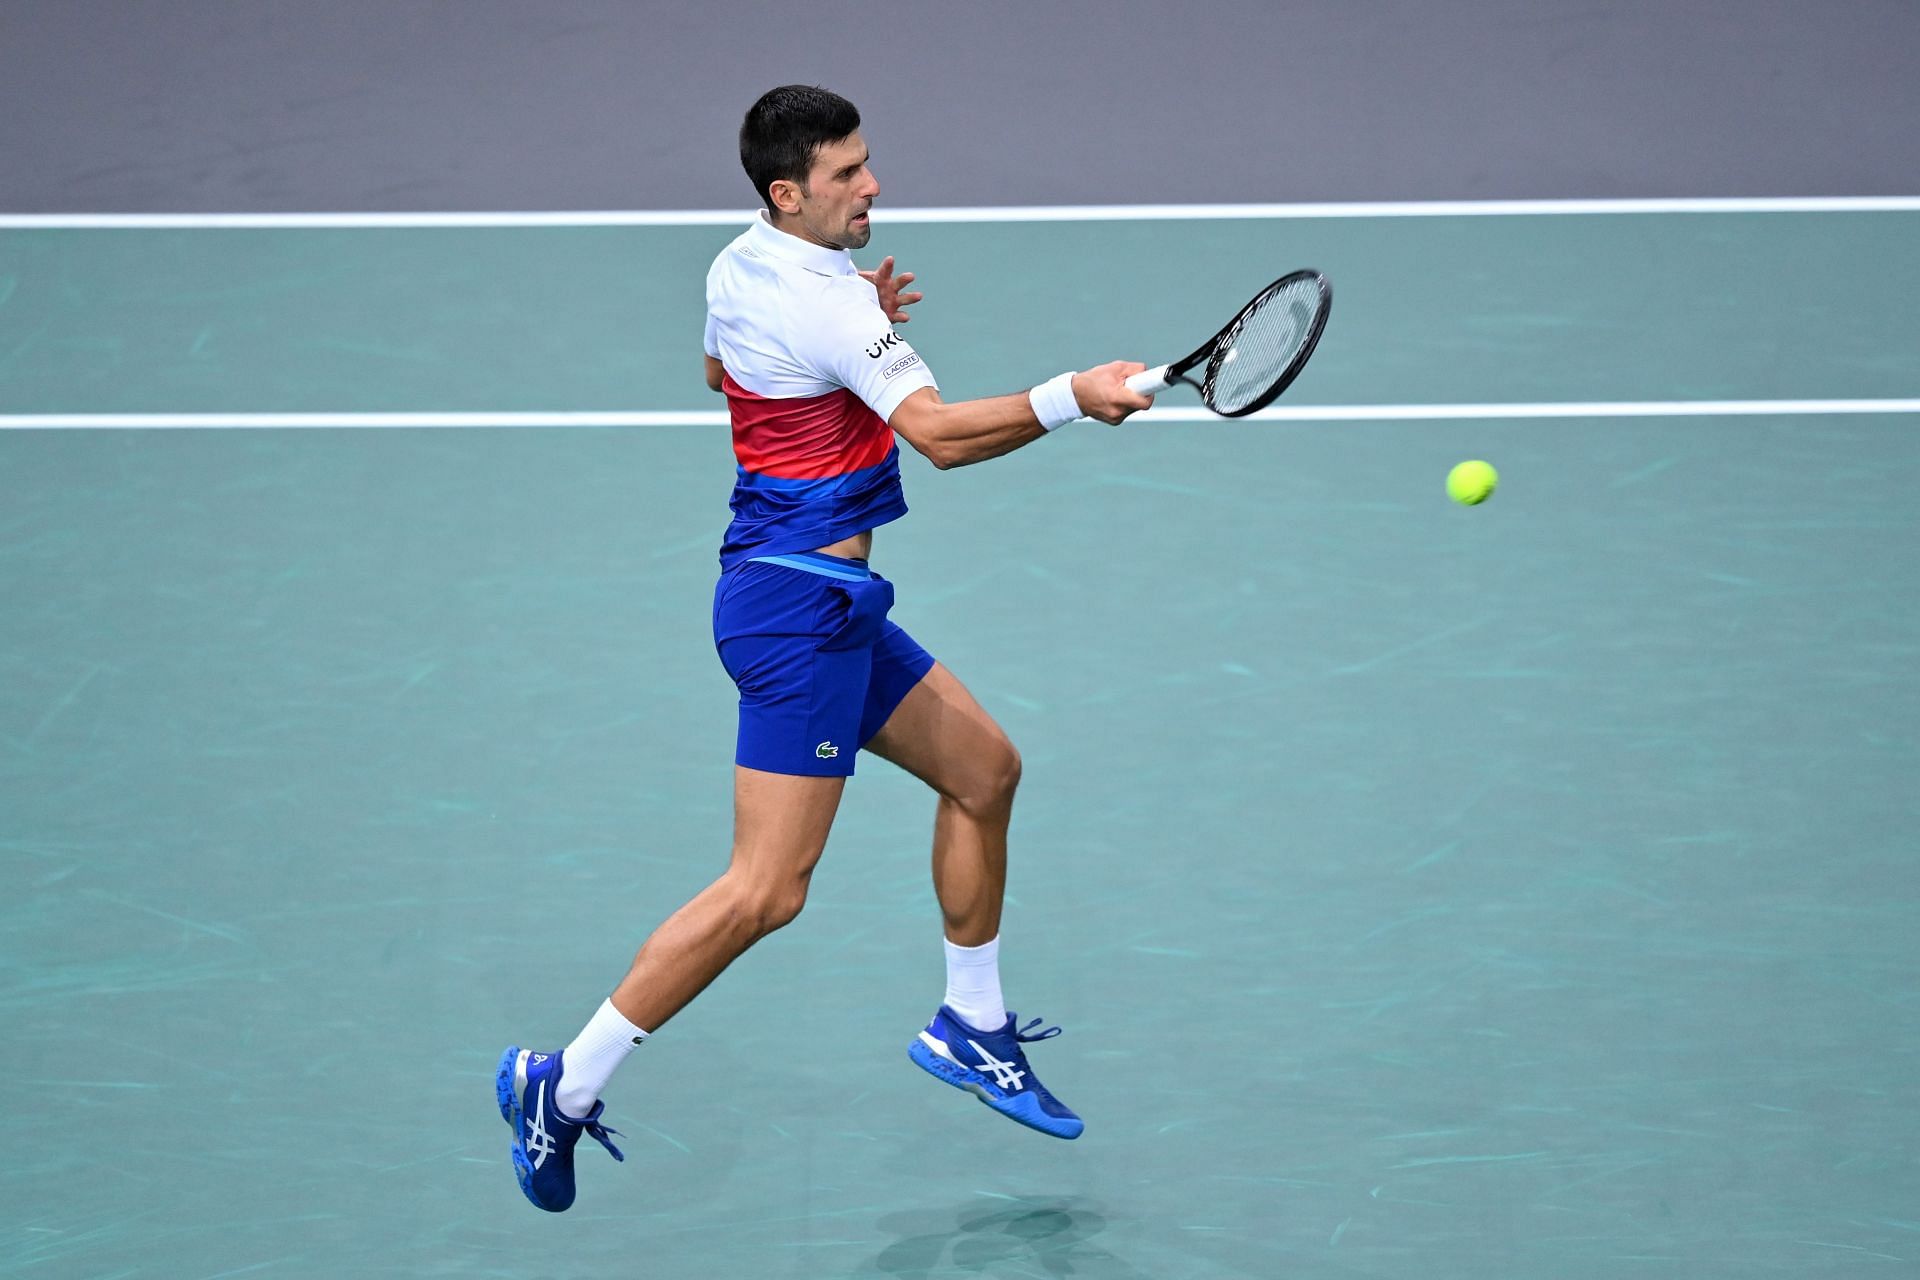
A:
[819,383]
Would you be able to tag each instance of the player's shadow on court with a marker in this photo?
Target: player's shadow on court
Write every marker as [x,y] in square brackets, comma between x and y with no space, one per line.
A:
[1055,1236]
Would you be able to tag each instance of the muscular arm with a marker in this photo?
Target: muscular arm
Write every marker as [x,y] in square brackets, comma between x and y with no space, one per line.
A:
[715,372]
[954,435]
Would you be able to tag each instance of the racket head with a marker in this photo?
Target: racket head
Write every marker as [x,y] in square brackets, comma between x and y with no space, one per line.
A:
[1264,348]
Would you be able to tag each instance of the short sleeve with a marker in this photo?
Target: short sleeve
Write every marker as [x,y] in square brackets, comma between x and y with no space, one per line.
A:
[713,336]
[855,346]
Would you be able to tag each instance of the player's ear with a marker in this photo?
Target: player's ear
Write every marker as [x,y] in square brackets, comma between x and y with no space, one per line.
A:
[785,194]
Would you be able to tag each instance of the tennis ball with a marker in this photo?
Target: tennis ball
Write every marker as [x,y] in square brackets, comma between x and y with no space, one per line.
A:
[1472,483]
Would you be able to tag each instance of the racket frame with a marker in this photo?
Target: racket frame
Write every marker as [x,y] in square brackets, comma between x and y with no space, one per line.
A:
[1210,352]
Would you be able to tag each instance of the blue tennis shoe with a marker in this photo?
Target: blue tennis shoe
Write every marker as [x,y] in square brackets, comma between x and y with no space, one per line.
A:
[992,1066]
[543,1139]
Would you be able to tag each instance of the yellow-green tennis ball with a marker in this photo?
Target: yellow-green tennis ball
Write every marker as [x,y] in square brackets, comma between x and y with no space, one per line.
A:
[1472,483]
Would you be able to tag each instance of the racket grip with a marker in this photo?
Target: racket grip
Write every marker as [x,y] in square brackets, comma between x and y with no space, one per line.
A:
[1150,381]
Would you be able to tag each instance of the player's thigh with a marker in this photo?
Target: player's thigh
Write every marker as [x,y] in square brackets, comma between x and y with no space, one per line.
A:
[942,735]
[781,822]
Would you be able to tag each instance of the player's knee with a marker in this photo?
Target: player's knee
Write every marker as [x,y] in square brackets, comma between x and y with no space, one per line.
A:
[777,906]
[991,783]
[784,908]
[1007,779]
[754,910]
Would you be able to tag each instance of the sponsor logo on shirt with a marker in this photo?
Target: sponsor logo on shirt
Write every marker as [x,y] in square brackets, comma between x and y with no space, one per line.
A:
[877,349]
[900,366]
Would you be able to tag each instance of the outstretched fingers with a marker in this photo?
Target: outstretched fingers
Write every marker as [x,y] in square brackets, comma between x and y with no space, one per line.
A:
[899,314]
[890,289]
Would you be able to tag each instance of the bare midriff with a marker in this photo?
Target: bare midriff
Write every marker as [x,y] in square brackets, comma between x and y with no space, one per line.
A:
[858,547]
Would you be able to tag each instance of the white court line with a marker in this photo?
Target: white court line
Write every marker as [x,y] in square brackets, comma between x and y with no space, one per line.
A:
[718,418]
[1028,213]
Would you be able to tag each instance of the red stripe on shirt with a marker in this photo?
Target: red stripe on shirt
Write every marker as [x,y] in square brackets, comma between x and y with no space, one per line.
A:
[806,437]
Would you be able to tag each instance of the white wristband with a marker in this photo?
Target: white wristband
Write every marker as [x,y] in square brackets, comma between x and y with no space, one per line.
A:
[1053,402]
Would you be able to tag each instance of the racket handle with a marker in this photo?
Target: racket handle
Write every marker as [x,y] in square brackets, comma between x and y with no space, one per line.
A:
[1150,382]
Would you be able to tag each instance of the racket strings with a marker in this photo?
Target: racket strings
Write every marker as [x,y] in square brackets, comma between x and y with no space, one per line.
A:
[1256,353]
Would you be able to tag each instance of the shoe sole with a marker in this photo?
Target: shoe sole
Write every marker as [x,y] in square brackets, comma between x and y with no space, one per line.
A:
[969,1081]
[507,1086]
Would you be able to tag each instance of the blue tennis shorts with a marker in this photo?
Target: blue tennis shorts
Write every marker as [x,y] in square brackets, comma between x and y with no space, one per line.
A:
[819,667]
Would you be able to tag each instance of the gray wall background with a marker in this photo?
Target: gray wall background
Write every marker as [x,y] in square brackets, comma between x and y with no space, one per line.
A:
[269,105]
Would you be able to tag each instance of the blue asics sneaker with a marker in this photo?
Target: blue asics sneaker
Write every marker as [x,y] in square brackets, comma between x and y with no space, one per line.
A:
[992,1066]
[543,1139]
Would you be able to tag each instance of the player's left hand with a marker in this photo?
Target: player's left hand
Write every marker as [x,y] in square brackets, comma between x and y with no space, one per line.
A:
[888,286]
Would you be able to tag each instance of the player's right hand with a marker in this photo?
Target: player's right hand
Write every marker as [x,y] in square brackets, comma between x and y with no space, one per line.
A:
[1103,393]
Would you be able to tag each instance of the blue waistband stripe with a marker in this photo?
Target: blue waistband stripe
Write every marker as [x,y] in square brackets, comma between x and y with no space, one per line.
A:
[825,566]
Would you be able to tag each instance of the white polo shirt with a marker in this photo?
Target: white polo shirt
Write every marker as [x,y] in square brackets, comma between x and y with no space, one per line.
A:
[793,320]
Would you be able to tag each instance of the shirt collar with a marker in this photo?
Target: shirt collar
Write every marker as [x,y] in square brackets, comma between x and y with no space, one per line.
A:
[767,238]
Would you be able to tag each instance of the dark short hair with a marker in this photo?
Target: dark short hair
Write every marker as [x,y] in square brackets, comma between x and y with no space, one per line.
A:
[785,130]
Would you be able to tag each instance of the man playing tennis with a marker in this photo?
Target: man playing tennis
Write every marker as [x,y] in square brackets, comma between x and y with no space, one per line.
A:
[818,384]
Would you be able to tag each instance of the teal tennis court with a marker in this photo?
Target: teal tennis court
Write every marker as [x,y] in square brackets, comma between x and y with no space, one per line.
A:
[1526,890]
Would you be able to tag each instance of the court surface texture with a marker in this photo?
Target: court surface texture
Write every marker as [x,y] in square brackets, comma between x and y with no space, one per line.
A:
[1518,891]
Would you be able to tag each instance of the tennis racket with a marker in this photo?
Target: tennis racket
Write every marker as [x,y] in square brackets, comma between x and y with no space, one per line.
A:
[1262,350]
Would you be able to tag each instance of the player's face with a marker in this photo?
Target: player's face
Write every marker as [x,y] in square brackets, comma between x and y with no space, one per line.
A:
[838,192]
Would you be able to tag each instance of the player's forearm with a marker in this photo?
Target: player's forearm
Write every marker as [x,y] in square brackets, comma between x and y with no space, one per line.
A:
[957,435]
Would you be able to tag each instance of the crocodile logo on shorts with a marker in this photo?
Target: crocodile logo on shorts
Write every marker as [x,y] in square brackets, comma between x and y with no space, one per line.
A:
[826,751]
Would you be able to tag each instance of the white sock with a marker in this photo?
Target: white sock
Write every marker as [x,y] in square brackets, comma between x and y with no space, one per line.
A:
[973,985]
[602,1045]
